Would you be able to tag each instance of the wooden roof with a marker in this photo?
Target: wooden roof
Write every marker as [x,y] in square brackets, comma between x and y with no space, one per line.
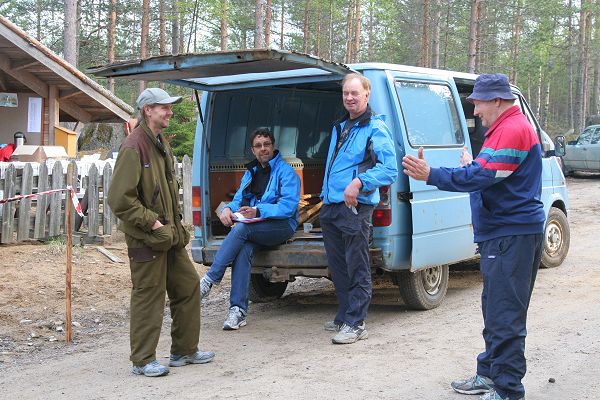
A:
[26,65]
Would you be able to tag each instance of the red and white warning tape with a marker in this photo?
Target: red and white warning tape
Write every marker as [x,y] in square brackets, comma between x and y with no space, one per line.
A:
[29,196]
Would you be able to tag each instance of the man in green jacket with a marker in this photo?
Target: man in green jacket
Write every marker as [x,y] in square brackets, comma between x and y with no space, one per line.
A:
[144,196]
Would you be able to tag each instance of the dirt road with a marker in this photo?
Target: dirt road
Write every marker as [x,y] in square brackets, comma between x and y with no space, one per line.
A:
[284,353]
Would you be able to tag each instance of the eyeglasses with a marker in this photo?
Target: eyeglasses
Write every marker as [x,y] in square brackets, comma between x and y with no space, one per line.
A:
[259,146]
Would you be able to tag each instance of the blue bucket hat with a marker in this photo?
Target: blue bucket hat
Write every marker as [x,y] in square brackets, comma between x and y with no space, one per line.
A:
[491,86]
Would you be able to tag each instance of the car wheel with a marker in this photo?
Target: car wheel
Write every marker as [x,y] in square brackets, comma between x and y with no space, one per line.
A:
[261,290]
[424,289]
[557,238]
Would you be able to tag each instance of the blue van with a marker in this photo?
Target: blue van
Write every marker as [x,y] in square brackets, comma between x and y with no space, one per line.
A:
[418,230]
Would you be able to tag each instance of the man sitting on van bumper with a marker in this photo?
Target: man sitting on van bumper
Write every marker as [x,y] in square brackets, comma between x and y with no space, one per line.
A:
[505,185]
[270,190]
[361,159]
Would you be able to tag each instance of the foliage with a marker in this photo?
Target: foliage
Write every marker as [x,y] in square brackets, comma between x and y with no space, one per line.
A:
[182,127]
[391,31]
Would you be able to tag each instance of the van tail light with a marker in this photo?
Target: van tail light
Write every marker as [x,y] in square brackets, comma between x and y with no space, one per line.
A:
[382,214]
[197,205]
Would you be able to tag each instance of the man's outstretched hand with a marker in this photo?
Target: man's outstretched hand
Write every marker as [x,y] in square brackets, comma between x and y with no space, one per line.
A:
[416,168]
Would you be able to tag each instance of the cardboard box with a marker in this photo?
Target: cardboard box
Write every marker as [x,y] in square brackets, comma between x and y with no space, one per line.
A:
[33,153]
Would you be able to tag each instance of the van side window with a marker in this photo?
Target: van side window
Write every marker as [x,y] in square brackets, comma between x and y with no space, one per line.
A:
[430,114]
[585,137]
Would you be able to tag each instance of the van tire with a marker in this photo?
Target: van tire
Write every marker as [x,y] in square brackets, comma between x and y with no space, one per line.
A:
[261,290]
[557,239]
[424,289]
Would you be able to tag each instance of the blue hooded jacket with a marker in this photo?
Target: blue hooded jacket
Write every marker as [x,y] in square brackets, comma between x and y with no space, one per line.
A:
[368,152]
[281,196]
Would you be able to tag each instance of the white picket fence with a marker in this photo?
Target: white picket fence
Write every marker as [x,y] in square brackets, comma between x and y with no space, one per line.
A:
[44,216]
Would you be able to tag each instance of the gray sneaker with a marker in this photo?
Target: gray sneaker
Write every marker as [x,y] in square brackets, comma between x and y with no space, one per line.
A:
[349,334]
[205,287]
[153,368]
[493,395]
[332,326]
[235,319]
[199,357]
[477,384]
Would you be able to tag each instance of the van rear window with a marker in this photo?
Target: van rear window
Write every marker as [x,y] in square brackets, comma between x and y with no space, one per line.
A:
[430,114]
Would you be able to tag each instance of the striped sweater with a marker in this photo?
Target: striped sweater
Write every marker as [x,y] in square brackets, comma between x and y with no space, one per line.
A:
[504,181]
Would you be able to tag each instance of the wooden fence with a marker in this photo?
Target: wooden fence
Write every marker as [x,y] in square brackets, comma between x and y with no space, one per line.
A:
[44,216]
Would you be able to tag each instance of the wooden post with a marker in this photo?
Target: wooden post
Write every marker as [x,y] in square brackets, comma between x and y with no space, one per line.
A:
[69,231]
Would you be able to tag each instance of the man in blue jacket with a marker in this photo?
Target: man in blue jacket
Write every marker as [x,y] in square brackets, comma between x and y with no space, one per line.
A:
[505,185]
[269,194]
[361,159]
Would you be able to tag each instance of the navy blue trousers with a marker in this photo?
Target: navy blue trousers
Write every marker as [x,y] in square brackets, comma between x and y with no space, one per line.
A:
[346,239]
[509,266]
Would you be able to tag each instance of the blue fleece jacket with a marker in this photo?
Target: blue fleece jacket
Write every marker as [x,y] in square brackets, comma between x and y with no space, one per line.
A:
[281,196]
[368,152]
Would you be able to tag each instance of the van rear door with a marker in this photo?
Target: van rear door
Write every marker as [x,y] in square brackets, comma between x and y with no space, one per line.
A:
[228,70]
[432,118]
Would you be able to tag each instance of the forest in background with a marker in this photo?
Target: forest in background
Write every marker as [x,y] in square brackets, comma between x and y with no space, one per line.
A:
[549,48]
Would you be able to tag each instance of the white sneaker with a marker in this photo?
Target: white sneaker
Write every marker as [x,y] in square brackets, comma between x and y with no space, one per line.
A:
[235,319]
[205,287]
[349,334]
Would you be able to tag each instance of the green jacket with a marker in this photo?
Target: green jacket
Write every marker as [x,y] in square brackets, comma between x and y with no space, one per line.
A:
[144,189]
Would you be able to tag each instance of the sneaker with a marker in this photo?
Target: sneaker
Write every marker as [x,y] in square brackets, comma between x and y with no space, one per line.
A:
[493,395]
[199,357]
[235,319]
[349,334]
[477,384]
[153,368]
[205,287]
[332,326]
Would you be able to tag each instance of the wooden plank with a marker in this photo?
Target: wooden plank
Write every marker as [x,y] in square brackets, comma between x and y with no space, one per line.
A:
[107,217]
[93,201]
[306,213]
[58,182]
[39,229]
[176,169]
[8,209]
[186,167]
[71,180]
[109,255]
[25,204]
[53,113]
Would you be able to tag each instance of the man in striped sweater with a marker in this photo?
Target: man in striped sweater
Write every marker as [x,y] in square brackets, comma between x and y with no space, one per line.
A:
[505,184]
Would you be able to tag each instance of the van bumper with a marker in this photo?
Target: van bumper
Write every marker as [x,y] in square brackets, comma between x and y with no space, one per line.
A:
[283,262]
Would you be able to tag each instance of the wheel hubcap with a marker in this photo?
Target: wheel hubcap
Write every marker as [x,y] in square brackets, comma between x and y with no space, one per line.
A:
[432,277]
[553,238]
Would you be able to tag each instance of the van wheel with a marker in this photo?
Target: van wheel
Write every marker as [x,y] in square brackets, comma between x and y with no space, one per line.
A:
[261,290]
[424,289]
[557,238]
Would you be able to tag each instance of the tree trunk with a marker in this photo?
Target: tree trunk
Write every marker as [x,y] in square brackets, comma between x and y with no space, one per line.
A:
[38,26]
[480,58]
[356,50]
[435,40]
[472,52]
[424,62]
[112,25]
[70,32]
[305,27]
[282,24]
[268,16]
[318,37]
[594,100]
[175,33]
[579,105]
[446,34]
[331,29]
[571,110]
[516,37]
[371,17]
[144,38]
[258,26]
[349,30]
[224,20]
[162,41]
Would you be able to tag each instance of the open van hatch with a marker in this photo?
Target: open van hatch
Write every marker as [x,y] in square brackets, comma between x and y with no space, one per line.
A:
[216,71]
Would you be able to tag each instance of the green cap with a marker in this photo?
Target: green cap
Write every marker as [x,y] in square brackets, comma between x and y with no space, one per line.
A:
[155,96]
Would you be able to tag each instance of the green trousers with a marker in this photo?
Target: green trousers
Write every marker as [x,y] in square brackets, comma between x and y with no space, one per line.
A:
[152,274]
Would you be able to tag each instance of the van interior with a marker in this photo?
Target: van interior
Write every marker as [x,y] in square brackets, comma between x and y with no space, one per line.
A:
[300,117]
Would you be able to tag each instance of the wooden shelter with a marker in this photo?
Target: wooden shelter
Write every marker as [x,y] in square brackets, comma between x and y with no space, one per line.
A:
[38,90]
